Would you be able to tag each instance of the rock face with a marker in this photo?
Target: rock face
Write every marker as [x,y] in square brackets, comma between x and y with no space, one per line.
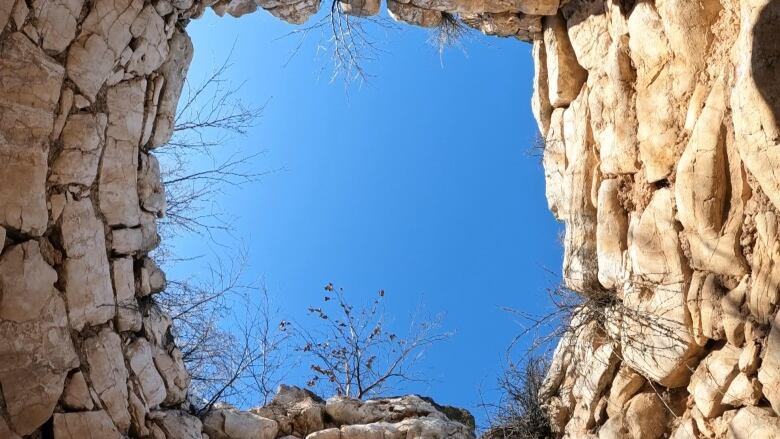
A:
[683,117]
[660,128]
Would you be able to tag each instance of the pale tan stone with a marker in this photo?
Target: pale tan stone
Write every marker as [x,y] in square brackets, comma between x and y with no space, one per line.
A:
[87,278]
[587,24]
[565,75]
[108,375]
[151,191]
[414,15]
[150,48]
[764,292]
[76,396]
[84,425]
[82,141]
[329,433]
[733,320]
[749,357]
[126,241]
[174,70]
[128,316]
[554,161]
[35,342]
[505,24]
[29,95]
[118,173]
[56,22]
[769,373]
[712,378]
[611,234]
[645,416]
[754,422]
[177,424]
[742,391]
[139,357]
[625,385]
[232,424]
[291,11]
[171,367]
[613,111]
[540,100]
[360,8]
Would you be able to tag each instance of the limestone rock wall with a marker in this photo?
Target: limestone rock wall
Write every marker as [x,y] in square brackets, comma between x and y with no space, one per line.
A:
[660,121]
[662,144]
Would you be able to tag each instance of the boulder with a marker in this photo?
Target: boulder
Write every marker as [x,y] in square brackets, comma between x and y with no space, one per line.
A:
[711,380]
[769,373]
[565,75]
[29,93]
[611,234]
[82,143]
[76,396]
[84,425]
[176,424]
[35,341]
[118,173]
[754,422]
[139,358]
[128,315]
[108,375]
[87,278]
[55,21]
[174,70]
[233,424]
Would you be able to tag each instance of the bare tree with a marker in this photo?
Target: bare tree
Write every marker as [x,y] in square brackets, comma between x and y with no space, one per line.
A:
[355,355]
[234,345]
[520,413]
[225,326]
[210,115]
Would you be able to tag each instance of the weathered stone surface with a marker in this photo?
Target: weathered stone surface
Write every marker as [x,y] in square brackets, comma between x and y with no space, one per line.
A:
[87,277]
[128,316]
[742,391]
[712,378]
[108,375]
[119,170]
[646,416]
[76,396]
[769,373]
[177,424]
[540,100]
[655,99]
[565,75]
[764,292]
[174,70]
[29,93]
[410,14]
[139,357]
[554,161]
[360,8]
[625,385]
[232,424]
[613,111]
[82,143]
[150,188]
[754,422]
[84,425]
[174,374]
[150,47]
[505,24]
[56,22]
[298,412]
[587,24]
[105,33]
[127,241]
[655,335]
[611,233]
[578,206]
[291,11]
[35,342]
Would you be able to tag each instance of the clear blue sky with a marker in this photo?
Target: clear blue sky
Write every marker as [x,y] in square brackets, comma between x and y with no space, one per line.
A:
[419,183]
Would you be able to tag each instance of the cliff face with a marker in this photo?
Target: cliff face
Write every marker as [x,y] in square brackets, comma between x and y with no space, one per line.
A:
[660,121]
[661,129]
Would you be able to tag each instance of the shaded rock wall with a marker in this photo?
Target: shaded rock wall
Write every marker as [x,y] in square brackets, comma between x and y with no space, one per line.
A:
[660,121]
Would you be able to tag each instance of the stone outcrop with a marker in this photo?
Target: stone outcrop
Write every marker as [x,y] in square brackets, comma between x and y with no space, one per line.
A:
[683,118]
[660,129]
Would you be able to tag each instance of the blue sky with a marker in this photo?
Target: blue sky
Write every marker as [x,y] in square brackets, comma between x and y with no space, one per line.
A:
[418,182]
